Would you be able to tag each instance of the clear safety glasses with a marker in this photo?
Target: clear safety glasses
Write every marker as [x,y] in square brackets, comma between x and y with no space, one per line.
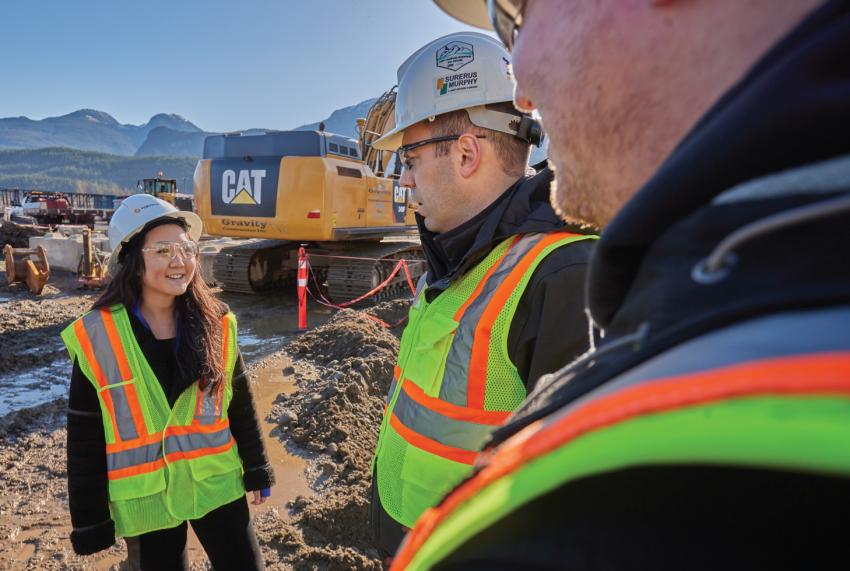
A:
[403,150]
[167,250]
[506,17]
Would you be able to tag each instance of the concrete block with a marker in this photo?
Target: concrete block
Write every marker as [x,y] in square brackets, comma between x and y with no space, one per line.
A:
[63,253]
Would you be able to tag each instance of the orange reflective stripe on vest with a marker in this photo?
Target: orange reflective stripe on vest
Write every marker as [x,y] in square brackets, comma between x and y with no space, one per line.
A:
[478,360]
[480,287]
[180,443]
[441,425]
[102,346]
[806,375]
[135,451]
[465,379]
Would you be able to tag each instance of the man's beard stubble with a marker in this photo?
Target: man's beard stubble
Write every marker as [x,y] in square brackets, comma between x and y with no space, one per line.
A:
[571,198]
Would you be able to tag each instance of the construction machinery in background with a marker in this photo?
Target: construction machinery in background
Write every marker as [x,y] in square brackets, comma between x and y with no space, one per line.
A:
[52,208]
[338,196]
[166,189]
[92,268]
[22,268]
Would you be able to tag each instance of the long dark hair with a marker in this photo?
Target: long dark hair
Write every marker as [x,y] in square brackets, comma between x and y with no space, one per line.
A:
[198,312]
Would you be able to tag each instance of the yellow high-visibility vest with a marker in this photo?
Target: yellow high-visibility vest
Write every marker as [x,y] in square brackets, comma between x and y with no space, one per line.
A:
[165,465]
[454,381]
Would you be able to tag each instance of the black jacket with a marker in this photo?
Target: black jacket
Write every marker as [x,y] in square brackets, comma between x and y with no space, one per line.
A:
[87,482]
[791,112]
[550,327]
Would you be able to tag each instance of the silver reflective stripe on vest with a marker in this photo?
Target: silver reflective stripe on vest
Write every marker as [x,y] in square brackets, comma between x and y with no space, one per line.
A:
[392,389]
[455,433]
[420,287]
[102,347]
[209,412]
[454,388]
[785,334]
[135,457]
[197,441]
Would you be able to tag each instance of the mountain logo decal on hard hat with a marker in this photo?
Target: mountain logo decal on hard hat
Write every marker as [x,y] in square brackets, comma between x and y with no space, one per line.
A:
[244,188]
[455,55]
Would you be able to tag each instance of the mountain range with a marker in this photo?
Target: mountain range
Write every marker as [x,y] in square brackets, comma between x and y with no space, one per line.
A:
[89,151]
[163,135]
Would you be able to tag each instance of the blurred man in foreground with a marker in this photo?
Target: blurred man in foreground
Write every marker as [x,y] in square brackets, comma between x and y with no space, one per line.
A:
[709,429]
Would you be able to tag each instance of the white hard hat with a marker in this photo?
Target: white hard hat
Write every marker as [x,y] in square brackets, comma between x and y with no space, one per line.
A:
[134,213]
[466,70]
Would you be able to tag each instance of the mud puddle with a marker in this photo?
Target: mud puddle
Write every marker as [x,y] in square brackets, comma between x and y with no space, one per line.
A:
[24,389]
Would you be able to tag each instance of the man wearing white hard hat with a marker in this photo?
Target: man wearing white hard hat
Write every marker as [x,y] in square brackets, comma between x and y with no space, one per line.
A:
[502,301]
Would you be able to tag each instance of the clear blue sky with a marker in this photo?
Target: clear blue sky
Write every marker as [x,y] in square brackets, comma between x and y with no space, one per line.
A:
[224,65]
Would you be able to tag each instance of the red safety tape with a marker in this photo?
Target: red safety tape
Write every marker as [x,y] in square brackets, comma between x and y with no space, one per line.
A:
[366,259]
[402,264]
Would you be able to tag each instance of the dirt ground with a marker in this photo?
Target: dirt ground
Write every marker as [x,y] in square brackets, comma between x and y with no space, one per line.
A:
[18,235]
[321,396]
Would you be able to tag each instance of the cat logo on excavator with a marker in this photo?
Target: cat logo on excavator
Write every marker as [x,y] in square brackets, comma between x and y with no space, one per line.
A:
[247,188]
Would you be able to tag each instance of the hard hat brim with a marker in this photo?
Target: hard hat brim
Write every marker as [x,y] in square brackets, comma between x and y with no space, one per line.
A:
[193,221]
[468,12]
[391,141]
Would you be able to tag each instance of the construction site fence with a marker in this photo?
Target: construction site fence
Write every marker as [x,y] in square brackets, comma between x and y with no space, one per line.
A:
[15,196]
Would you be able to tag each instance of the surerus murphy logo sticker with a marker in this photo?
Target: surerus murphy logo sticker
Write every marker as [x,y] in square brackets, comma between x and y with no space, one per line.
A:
[455,55]
[456,82]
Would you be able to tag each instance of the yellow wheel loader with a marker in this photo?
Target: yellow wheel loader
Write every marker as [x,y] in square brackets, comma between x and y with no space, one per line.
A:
[286,188]
[166,189]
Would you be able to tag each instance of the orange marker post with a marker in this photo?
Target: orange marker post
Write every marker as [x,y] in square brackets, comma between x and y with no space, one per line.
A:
[302,289]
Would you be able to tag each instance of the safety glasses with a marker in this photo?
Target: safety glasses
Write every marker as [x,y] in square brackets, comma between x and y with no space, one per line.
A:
[506,17]
[167,250]
[403,150]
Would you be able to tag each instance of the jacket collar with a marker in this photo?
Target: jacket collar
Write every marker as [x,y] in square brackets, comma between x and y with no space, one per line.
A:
[523,208]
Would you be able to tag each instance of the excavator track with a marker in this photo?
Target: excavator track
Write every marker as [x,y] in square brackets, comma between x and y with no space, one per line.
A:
[345,270]
[348,277]
[245,268]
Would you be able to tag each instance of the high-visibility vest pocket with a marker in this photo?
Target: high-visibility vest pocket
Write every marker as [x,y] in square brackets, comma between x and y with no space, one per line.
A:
[433,341]
[137,504]
[137,486]
[215,464]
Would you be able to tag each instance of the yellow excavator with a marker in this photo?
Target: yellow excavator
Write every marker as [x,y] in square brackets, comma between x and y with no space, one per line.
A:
[166,189]
[338,196]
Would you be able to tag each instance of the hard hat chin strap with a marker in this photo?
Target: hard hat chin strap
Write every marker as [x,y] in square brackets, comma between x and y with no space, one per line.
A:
[521,126]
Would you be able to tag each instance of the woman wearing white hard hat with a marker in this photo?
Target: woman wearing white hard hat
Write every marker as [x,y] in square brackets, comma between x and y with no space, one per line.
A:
[161,423]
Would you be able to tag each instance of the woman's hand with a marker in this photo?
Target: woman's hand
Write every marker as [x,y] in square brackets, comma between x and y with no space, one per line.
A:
[260,497]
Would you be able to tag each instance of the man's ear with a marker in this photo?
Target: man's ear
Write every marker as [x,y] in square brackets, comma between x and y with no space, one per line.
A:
[469,150]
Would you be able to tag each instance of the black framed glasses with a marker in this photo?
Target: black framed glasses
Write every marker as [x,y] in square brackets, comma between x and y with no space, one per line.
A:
[404,149]
[506,17]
